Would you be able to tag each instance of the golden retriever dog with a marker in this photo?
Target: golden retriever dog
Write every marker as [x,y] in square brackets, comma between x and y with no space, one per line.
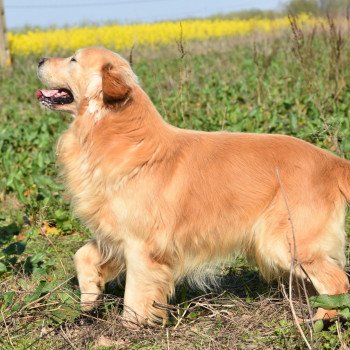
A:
[166,203]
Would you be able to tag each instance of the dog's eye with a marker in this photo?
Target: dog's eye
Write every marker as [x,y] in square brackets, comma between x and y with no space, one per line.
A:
[73,59]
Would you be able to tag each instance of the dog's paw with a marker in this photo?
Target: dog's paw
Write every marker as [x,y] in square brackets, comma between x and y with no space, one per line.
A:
[89,301]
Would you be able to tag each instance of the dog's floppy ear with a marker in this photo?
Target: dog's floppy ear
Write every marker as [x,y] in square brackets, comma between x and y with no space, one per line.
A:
[114,85]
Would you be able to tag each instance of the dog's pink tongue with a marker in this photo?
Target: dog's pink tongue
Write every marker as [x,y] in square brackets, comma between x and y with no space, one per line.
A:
[46,93]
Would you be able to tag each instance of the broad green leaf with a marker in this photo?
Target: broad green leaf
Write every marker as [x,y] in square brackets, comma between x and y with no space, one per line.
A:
[339,301]
[15,248]
[64,314]
[41,289]
[61,215]
[345,313]
[318,325]
[37,257]
[2,267]
[8,297]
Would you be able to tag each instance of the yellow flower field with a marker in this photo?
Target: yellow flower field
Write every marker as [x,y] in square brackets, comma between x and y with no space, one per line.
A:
[124,36]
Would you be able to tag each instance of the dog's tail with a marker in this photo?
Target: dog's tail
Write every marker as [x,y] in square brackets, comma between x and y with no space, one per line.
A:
[344,179]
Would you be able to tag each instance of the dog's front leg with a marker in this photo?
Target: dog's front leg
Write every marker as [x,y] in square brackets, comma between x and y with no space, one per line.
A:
[149,283]
[92,275]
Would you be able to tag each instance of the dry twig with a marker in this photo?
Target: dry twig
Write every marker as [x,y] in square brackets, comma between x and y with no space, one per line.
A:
[294,259]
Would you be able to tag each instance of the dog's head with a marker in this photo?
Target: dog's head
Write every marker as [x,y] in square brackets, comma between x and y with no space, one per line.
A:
[92,77]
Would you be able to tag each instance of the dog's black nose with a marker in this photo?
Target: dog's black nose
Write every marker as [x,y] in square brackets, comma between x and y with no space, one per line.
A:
[42,61]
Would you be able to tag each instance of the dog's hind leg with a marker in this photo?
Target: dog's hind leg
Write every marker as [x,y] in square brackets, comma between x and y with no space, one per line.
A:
[92,275]
[318,232]
[325,266]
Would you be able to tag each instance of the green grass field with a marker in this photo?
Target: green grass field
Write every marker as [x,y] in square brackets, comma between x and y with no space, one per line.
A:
[296,84]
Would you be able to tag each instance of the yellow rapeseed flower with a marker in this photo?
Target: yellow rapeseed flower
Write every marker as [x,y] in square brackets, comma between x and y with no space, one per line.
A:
[124,36]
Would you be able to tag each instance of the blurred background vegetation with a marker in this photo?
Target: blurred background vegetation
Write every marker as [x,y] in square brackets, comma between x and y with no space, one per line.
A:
[295,7]
[318,7]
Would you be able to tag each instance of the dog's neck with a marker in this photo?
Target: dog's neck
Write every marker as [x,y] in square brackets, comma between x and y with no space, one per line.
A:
[130,131]
[127,117]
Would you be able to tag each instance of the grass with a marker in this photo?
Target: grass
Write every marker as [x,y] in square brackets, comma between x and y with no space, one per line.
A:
[296,84]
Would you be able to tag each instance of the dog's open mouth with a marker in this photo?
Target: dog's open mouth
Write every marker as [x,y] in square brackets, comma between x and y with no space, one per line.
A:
[54,97]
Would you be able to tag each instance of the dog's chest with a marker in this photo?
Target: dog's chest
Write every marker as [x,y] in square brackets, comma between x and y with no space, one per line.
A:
[104,200]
